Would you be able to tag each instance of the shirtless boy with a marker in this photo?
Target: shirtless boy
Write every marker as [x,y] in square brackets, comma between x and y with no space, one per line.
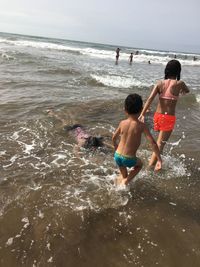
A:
[129,132]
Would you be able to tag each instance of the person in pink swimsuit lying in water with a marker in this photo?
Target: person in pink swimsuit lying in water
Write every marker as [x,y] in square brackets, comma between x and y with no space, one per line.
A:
[82,137]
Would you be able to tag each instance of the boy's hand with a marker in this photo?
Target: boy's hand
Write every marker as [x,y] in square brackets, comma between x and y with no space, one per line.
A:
[158,166]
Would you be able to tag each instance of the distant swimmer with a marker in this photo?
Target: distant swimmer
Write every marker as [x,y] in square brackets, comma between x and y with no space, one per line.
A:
[194,58]
[174,56]
[131,58]
[149,62]
[117,55]
[136,52]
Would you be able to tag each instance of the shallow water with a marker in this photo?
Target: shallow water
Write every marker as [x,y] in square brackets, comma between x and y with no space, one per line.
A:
[60,208]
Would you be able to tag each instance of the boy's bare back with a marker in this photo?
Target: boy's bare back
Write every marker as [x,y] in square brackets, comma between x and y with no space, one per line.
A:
[130,131]
[129,134]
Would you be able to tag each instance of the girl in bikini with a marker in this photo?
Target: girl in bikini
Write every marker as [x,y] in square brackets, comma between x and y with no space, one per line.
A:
[168,91]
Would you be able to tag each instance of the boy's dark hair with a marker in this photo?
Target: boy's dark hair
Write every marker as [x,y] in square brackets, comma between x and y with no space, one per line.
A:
[133,104]
[173,69]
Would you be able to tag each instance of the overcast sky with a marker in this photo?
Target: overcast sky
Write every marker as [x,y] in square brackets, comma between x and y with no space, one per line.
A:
[154,24]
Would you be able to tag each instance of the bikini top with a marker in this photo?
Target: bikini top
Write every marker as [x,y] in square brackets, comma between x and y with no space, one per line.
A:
[166,88]
[80,133]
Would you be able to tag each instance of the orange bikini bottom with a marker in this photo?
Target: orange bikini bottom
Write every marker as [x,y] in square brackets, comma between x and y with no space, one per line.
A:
[164,122]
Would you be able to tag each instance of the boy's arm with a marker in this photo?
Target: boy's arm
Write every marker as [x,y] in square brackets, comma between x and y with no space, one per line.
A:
[149,101]
[115,137]
[108,145]
[154,147]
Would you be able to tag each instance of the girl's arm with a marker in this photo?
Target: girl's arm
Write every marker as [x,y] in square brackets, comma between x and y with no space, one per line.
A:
[150,99]
[184,89]
[154,148]
[108,145]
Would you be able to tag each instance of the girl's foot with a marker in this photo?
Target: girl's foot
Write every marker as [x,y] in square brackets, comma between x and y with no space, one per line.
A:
[158,166]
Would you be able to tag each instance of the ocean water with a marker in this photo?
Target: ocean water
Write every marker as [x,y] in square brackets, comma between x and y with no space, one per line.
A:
[60,208]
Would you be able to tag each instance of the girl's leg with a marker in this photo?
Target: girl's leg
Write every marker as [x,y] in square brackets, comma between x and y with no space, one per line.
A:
[161,141]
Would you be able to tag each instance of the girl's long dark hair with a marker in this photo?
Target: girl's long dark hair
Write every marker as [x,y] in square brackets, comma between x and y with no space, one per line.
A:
[173,69]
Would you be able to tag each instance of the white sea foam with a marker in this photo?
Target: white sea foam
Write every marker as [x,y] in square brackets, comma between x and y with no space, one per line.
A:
[118,81]
[59,156]
[198,98]
[41,214]
[10,241]
[98,53]
[41,45]
[175,167]
[144,56]
[3,40]
[26,221]
[15,135]
[2,152]
[156,57]
[12,160]
[29,148]
[6,56]
[50,260]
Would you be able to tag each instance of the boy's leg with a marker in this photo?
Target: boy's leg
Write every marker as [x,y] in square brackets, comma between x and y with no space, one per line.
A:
[123,171]
[161,141]
[137,168]
[121,179]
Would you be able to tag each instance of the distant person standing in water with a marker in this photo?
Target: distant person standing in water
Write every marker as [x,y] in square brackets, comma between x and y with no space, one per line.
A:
[131,58]
[168,91]
[117,55]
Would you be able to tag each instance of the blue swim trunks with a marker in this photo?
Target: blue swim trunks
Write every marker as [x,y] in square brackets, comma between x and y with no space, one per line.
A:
[124,161]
